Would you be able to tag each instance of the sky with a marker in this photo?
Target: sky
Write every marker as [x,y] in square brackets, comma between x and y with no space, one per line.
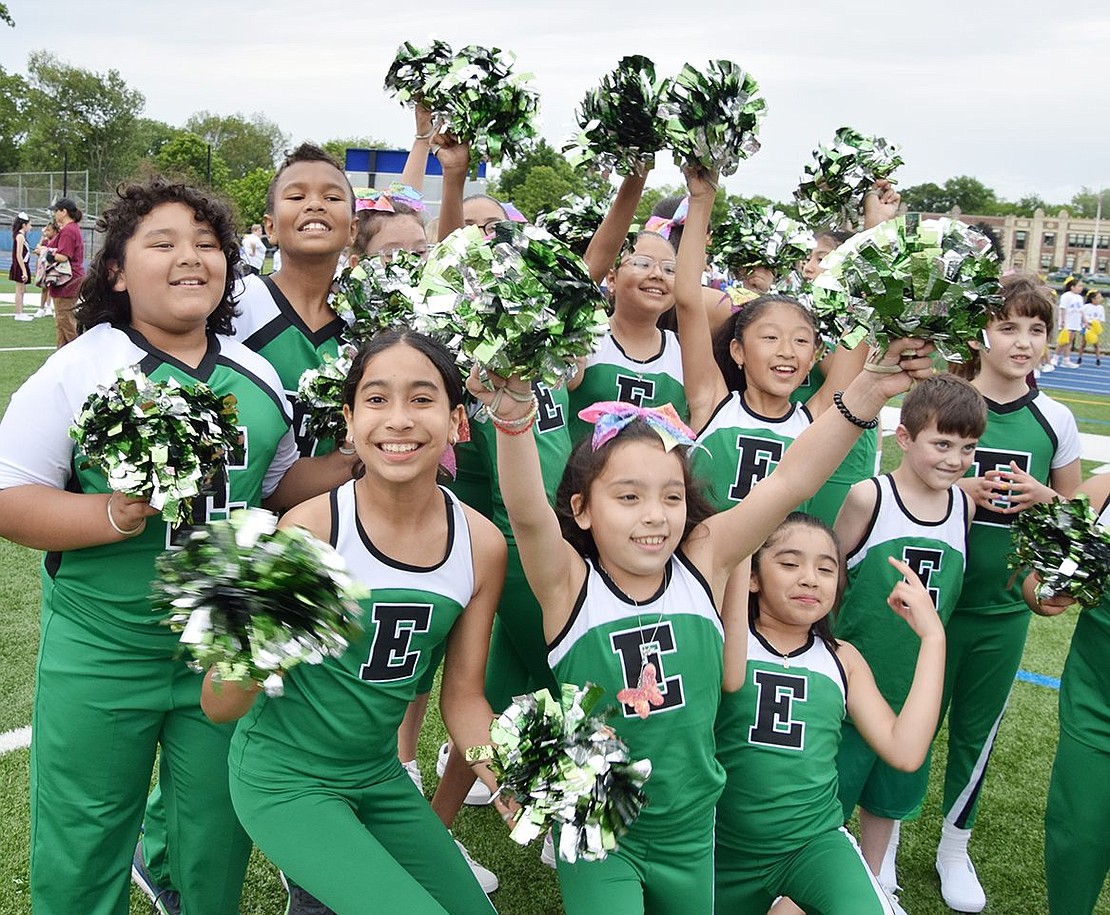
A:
[1013,93]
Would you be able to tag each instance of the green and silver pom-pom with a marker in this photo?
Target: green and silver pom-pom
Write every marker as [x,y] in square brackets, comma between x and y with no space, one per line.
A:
[254,601]
[414,69]
[157,440]
[321,391]
[483,103]
[621,126]
[374,294]
[754,235]
[576,222]
[911,277]
[1064,544]
[831,192]
[517,302]
[569,769]
[713,116]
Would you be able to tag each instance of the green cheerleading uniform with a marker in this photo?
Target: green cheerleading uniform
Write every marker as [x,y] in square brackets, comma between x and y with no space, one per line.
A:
[611,374]
[986,634]
[861,462]
[665,862]
[738,447]
[1077,844]
[518,655]
[937,552]
[314,773]
[110,685]
[269,324]
[779,825]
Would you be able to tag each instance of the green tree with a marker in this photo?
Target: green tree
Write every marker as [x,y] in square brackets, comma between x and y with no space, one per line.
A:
[925,198]
[544,192]
[13,114]
[5,16]
[1084,204]
[971,195]
[542,189]
[337,148]
[248,195]
[89,116]
[245,144]
[185,157]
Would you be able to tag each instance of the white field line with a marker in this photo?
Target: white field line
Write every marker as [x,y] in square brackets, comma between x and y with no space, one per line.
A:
[18,739]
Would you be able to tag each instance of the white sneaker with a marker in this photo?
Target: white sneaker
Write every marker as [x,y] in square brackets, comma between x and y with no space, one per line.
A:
[1048,367]
[40,312]
[547,853]
[413,771]
[24,317]
[892,898]
[478,795]
[959,884]
[486,878]
[1071,365]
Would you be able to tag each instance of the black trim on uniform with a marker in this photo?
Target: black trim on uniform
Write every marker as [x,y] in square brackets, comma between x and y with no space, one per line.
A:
[794,407]
[717,409]
[843,674]
[52,561]
[869,529]
[1048,430]
[333,507]
[1012,406]
[658,355]
[625,599]
[156,356]
[397,564]
[797,652]
[579,602]
[911,515]
[277,398]
[267,333]
[698,577]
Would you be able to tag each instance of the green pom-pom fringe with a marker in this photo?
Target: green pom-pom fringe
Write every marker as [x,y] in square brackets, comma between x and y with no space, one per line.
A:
[713,116]
[568,768]
[321,391]
[831,193]
[908,277]
[621,125]
[252,601]
[576,222]
[1064,544]
[753,235]
[157,440]
[518,302]
[376,294]
[415,69]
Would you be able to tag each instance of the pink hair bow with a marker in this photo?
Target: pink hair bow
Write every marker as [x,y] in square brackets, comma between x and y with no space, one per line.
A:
[611,416]
[660,225]
[367,198]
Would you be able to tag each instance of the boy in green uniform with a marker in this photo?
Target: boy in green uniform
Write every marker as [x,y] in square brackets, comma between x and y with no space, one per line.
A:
[919,515]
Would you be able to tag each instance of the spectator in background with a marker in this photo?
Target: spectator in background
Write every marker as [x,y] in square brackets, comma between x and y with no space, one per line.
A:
[68,246]
[20,272]
[1070,323]
[46,242]
[254,251]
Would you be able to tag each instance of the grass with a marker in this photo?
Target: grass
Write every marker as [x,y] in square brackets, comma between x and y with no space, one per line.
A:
[1008,840]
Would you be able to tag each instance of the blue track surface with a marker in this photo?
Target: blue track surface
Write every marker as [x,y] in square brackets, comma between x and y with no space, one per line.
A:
[1025,676]
[1087,379]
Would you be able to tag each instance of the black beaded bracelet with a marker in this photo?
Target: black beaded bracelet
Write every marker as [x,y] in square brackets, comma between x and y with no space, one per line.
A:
[838,399]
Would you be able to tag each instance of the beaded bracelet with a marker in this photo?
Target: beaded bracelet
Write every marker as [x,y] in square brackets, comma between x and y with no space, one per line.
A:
[516,426]
[838,400]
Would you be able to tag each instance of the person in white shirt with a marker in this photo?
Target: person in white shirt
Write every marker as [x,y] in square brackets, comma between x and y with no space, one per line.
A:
[254,250]
[1094,316]
[1071,323]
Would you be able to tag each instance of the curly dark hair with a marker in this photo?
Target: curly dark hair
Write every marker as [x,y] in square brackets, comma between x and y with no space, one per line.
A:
[822,628]
[306,152]
[585,465]
[99,302]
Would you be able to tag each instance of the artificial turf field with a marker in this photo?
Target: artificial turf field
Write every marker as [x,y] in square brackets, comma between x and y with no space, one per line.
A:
[1007,844]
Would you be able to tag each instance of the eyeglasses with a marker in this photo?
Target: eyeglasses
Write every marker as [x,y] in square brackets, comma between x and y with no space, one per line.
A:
[641,264]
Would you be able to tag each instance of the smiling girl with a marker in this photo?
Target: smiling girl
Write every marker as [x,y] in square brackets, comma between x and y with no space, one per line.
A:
[629,573]
[314,774]
[111,689]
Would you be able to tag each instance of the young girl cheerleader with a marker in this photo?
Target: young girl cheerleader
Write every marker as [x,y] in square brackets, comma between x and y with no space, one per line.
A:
[20,271]
[111,688]
[629,572]
[1028,453]
[779,822]
[314,774]
[742,409]
[1077,845]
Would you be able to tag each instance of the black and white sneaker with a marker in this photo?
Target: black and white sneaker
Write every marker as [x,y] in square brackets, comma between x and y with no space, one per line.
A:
[165,901]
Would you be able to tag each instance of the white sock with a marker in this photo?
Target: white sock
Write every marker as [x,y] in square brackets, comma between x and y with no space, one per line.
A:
[953,842]
[888,872]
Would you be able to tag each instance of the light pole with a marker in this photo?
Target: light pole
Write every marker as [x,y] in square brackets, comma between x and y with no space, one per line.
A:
[1094,240]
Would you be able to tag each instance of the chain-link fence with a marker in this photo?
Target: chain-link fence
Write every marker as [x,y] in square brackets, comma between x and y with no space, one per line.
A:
[34,192]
